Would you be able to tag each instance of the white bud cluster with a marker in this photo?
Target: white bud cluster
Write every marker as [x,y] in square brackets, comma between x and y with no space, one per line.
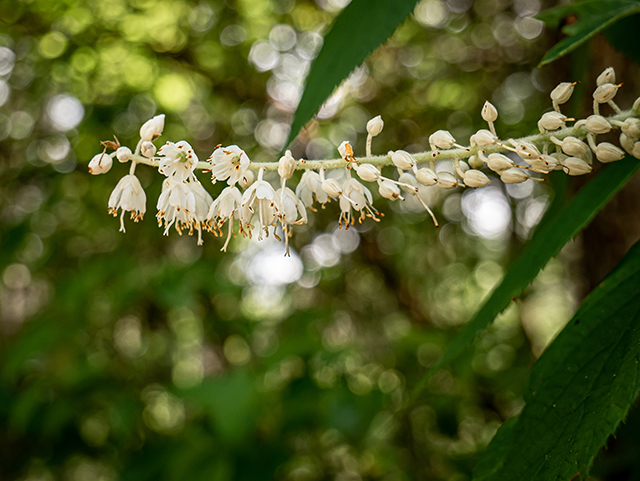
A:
[249,204]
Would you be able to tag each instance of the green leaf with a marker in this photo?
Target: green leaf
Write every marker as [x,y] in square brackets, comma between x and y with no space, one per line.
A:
[545,244]
[593,16]
[357,31]
[580,389]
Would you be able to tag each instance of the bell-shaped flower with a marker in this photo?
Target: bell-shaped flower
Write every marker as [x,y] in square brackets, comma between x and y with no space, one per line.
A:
[261,198]
[128,195]
[176,205]
[178,160]
[228,163]
[203,202]
[100,164]
[357,197]
[310,188]
[225,208]
[292,212]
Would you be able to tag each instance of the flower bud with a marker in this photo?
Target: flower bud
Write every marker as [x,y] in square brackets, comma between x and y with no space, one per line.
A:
[636,150]
[410,180]
[427,176]
[499,162]
[123,154]
[441,139]
[475,162]
[152,128]
[331,187]
[148,149]
[489,112]
[247,179]
[513,176]
[463,166]
[605,92]
[446,180]
[575,166]
[636,104]
[627,143]
[571,146]
[375,125]
[389,190]
[368,172]
[608,76]
[606,152]
[483,138]
[100,164]
[551,121]
[345,149]
[562,93]
[597,124]
[475,178]
[527,150]
[286,165]
[402,159]
[631,127]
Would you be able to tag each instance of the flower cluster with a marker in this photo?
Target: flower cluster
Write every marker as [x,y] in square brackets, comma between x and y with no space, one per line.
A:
[250,203]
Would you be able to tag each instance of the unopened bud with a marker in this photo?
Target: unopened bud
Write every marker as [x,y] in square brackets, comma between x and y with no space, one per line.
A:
[100,164]
[513,176]
[475,162]
[627,143]
[427,176]
[636,150]
[410,180]
[475,178]
[402,159]
[575,166]
[152,128]
[375,126]
[597,124]
[247,179]
[389,190]
[608,76]
[551,121]
[527,150]
[636,104]
[499,162]
[331,187]
[441,139]
[605,92]
[483,138]
[562,93]
[489,112]
[148,149]
[573,146]
[446,180]
[286,165]
[631,127]
[606,152]
[368,172]
[123,154]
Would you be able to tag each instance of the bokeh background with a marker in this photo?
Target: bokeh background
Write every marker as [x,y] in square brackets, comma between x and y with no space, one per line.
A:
[136,356]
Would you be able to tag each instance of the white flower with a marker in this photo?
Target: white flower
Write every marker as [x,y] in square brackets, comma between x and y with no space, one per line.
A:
[631,127]
[176,205]
[368,172]
[228,163]
[597,124]
[498,162]
[375,126]
[446,180]
[123,154]
[346,151]
[225,208]
[605,92]
[179,160]
[152,128]
[441,139]
[310,188]
[513,175]
[100,164]
[286,165]
[247,179]
[562,93]
[357,197]
[483,138]
[475,178]
[292,212]
[575,166]
[128,195]
[526,149]
[606,152]
[427,176]
[402,159]
[608,76]
[261,197]
[571,146]
[148,149]
[551,121]
[389,190]
[331,187]
[489,112]
[203,202]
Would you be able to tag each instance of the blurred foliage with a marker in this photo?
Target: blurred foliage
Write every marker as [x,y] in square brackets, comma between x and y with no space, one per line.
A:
[143,357]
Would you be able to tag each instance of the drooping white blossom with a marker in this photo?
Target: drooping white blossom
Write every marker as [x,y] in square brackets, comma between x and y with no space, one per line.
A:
[228,163]
[128,195]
